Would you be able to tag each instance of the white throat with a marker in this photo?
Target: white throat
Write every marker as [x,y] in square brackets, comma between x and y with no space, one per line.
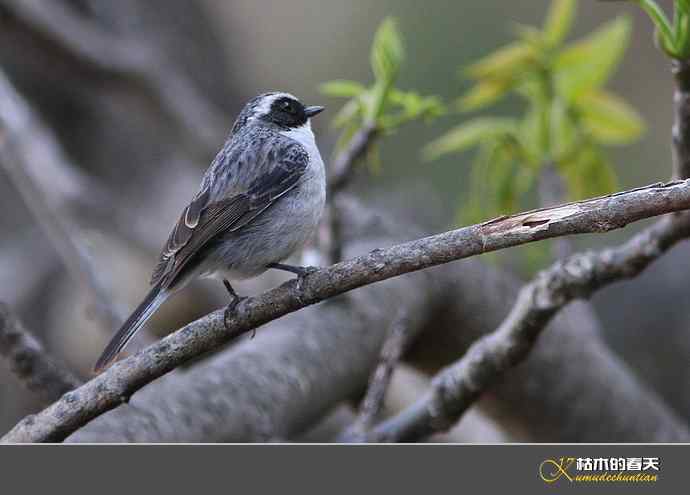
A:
[303,135]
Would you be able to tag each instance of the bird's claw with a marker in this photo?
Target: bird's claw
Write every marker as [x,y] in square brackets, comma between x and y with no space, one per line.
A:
[304,273]
[231,309]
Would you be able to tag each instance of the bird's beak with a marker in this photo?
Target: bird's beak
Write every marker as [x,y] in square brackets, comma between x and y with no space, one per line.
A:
[313,111]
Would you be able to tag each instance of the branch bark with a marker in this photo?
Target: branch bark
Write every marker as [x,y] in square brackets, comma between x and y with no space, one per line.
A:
[458,386]
[118,383]
[30,361]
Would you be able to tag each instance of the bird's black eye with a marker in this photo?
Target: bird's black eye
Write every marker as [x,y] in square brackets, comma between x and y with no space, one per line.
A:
[288,106]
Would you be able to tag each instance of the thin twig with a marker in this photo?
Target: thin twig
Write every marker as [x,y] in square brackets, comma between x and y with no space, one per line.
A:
[342,172]
[681,119]
[345,162]
[30,362]
[459,385]
[393,348]
[123,379]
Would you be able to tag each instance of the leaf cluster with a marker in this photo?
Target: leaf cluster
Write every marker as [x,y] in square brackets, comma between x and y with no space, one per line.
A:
[568,115]
[380,104]
[672,35]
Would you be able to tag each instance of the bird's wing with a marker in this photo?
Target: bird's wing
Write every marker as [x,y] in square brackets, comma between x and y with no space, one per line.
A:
[277,172]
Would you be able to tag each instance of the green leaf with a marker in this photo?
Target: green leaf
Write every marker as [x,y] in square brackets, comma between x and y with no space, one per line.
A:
[483,94]
[589,63]
[410,106]
[683,6]
[588,174]
[342,88]
[502,177]
[661,22]
[386,58]
[608,118]
[563,129]
[559,20]
[387,51]
[531,35]
[468,135]
[681,29]
[531,135]
[504,63]
[479,205]
[352,111]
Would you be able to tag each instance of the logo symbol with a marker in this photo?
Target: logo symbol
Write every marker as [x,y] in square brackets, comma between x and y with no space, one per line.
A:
[552,470]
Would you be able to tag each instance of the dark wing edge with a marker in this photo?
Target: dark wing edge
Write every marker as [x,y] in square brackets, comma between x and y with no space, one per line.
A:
[181,233]
[200,222]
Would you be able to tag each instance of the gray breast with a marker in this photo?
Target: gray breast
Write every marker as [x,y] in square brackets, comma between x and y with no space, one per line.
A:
[284,227]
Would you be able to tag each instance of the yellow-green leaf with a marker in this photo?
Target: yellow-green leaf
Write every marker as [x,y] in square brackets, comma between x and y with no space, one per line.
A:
[350,112]
[483,94]
[588,174]
[683,6]
[563,130]
[559,20]
[532,135]
[608,118]
[387,51]
[467,135]
[590,62]
[664,30]
[342,88]
[504,63]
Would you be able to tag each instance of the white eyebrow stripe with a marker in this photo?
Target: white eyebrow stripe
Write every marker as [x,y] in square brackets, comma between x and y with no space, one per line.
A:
[266,103]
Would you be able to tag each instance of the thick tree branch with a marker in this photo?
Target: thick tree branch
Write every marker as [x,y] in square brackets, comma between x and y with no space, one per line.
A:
[455,388]
[117,384]
[30,362]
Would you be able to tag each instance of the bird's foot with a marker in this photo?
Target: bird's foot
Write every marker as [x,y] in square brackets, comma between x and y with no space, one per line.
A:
[235,300]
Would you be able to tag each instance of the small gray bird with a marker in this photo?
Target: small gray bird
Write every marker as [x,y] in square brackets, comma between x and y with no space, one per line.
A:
[259,201]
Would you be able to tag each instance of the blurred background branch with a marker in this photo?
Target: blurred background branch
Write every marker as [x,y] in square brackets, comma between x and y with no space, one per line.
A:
[16,120]
[128,58]
[370,407]
[28,359]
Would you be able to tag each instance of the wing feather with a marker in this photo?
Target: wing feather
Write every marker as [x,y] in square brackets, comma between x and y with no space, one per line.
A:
[203,220]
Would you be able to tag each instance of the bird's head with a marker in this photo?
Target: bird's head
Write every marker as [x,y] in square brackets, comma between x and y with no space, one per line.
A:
[282,110]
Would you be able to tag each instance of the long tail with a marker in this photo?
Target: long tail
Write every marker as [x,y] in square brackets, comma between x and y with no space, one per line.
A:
[149,305]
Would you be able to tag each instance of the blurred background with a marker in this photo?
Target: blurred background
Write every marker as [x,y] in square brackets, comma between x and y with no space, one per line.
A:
[136,160]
